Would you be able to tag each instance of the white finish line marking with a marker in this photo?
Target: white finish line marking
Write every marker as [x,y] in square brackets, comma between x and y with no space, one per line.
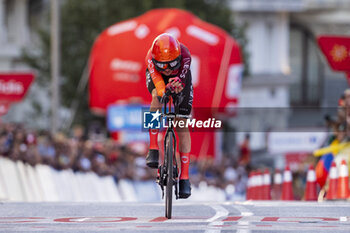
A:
[289,203]
[244,211]
[82,219]
[244,225]
[221,214]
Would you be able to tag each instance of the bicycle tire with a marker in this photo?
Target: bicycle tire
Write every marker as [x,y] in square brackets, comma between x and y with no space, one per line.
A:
[169,183]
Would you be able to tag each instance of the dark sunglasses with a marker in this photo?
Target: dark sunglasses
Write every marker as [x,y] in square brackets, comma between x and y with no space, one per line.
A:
[172,65]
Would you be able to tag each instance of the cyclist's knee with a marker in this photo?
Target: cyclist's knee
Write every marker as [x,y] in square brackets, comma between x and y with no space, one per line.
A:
[155,99]
[181,126]
[155,96]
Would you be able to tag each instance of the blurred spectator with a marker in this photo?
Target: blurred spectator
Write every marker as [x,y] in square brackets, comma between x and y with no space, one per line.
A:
[46,150]
[230,174]
[245,154]
[347,111]
[347,98]
[83,163]
[341,132]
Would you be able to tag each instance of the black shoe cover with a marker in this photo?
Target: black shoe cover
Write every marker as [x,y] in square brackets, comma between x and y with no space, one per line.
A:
[152,158]
[184,189]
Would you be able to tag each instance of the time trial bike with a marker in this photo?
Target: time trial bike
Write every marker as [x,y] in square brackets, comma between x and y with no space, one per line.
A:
[168,170]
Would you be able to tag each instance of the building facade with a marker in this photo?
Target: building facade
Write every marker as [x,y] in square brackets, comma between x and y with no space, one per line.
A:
[282,41]
[282,46]
[20,21]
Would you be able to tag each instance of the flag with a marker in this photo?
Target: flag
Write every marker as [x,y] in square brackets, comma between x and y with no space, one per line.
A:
[337,51]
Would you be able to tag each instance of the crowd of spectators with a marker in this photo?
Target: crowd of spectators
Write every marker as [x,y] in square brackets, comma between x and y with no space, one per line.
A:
[339,132]
[340,125]
[77,152]
[337,123]
[226,172]
[85,152]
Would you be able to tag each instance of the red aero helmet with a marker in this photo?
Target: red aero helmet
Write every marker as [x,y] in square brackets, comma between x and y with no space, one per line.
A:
[165,48]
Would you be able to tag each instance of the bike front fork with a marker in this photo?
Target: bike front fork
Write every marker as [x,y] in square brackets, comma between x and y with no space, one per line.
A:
[162,178]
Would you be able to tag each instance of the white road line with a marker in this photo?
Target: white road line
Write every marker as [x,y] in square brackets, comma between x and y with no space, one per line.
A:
[290,203]
[220,214]
[244,211]
[82,219]
[242,202]
[244,225]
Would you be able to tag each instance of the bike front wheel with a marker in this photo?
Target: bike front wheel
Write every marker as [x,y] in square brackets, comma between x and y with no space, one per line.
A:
[169,154]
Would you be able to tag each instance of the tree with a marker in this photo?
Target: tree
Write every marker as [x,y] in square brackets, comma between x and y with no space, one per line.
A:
[83,20]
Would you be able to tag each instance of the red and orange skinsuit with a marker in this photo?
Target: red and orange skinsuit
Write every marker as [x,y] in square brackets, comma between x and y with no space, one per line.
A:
[156,76]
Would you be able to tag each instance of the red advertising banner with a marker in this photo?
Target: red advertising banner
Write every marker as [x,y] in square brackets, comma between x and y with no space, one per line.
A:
[337,51]
[14,86]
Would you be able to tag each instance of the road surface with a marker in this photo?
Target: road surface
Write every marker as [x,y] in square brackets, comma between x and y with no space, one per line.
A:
[249,216]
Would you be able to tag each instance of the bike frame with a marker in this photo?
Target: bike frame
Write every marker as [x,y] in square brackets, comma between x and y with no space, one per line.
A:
[167,174]
[169,160]
[170,130]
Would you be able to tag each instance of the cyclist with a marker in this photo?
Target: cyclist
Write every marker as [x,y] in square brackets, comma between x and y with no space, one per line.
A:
[168,67]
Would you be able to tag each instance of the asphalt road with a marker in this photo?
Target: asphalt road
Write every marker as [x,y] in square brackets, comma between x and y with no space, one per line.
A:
[188,217]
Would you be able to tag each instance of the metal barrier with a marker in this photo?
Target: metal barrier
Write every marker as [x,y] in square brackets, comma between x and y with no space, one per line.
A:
[24,183]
